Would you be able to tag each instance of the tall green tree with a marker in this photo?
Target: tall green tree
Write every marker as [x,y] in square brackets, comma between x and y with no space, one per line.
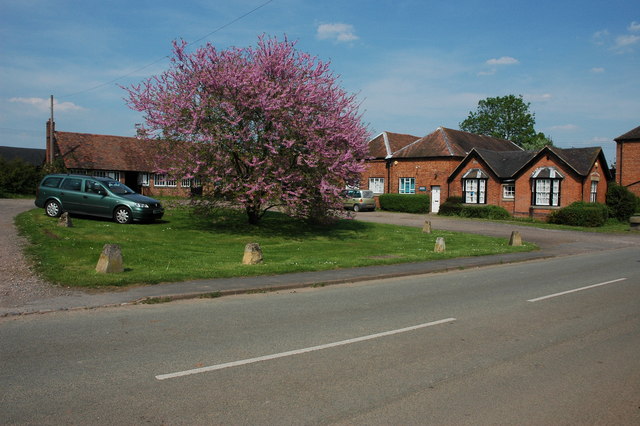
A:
[506,117]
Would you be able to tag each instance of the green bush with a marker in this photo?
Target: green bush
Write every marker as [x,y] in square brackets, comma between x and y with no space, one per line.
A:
[485,212]
[451,207]
[407,203]
[581,214]
[18,177]
[622,203]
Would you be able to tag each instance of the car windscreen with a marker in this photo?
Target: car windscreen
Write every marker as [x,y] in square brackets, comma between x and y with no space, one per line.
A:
[118,188]
[367,194]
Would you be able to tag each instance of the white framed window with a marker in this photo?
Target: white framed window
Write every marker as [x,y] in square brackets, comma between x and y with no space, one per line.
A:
[407,186]
[376,185]
[143,179]
[474,187]
[509,191]
[546,187]
[593,196]
[162,180]
[106,174]
[185,183]
[475,191]
[546,192]
[159,180]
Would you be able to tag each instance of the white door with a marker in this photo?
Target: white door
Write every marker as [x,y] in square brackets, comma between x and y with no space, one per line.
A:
[435,199]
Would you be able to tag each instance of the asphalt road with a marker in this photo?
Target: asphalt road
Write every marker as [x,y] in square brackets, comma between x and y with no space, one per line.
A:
[543,342]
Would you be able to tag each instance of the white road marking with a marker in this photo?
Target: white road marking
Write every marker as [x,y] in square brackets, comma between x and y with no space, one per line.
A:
[299,351]
[575,290]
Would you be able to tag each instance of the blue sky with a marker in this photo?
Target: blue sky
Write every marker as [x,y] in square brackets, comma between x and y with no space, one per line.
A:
[415,64]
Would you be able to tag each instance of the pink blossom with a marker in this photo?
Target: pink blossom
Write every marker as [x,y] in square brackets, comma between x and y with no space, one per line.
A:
[268,125]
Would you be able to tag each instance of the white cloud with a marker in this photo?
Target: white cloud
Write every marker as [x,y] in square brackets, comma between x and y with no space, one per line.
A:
[338,32]
[597,70]
[634,26]
[625,41]
[565,127]
[537,97]
[600,37]
[505,60]
[44,104]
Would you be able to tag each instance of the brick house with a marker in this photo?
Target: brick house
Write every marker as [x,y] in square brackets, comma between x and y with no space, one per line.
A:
[531,183]
[132,161]
[485,170]
[628,160]
[405,164]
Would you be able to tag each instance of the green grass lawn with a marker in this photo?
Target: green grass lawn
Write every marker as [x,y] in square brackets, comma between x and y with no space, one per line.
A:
[184,246]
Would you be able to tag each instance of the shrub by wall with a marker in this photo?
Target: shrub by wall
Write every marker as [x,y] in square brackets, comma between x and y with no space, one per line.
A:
[581,214]
[485,212]
[408,203]
[451,207]
[621,202]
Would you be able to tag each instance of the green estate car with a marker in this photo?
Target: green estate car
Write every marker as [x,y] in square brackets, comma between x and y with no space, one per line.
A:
[95,196]
[357,200]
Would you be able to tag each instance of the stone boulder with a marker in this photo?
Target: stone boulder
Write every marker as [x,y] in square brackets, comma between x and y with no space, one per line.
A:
[110,261]
[65,220]
[440,246]
[516,239]
[252,254]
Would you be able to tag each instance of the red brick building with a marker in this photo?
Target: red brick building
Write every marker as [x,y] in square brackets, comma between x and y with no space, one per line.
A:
[406,164]
[132,161]
[485,170]
[531,183]
[628,160]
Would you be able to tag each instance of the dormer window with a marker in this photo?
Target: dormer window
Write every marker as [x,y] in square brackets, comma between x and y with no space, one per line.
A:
[474,187]
[545,187]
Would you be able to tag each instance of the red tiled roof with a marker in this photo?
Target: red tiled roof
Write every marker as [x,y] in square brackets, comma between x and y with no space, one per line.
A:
[105,152]
[446,142]
[378,146]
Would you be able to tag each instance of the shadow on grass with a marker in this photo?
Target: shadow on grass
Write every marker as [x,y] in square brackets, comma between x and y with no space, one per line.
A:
[272,224]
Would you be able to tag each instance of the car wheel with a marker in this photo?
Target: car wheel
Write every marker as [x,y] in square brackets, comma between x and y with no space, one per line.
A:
[356,207]
[53,208]
[122,215]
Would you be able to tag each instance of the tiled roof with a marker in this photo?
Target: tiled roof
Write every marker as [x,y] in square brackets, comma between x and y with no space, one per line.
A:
[28,155]
[579,159]
[386,143]
[105,152]
[507,165]
[446,142]
[629,136]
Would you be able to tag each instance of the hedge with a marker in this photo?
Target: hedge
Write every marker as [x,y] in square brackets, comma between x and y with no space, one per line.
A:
[451,207]
[581,214]
[407,203]
[485,212]
[454,207]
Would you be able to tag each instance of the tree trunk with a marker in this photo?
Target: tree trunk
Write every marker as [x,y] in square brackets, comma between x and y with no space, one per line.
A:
[253,213]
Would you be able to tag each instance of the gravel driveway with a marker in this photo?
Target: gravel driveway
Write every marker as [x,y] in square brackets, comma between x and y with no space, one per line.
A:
[18,285]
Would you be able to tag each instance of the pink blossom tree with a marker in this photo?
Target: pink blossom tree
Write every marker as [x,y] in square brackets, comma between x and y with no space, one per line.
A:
[265,126]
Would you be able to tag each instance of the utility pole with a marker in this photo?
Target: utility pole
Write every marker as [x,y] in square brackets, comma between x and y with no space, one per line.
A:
[51,134]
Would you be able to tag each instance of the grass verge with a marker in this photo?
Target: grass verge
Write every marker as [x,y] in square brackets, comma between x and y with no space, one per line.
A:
[183,247]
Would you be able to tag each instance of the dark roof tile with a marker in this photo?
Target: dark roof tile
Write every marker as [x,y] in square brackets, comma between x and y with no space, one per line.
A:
[629,136]
[446,142]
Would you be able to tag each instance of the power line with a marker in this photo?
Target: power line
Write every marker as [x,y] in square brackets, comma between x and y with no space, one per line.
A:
[166,57]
